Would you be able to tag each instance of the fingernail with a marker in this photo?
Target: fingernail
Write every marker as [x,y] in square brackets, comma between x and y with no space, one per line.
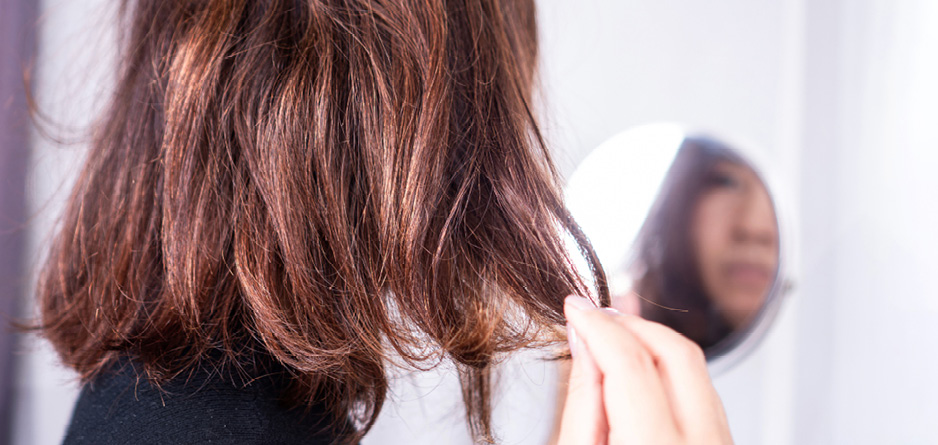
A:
[578,302]
[572,341]
[575,303]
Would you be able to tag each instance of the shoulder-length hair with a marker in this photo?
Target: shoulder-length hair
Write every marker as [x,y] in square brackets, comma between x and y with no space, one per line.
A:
[333,184]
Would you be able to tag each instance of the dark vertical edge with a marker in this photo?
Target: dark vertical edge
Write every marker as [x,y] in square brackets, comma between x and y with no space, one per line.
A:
[17,51]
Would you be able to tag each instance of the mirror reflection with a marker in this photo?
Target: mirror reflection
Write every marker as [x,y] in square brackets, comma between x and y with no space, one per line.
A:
[699,252]
[707,254]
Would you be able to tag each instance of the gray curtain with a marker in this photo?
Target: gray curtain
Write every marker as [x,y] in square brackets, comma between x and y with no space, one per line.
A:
[17,39]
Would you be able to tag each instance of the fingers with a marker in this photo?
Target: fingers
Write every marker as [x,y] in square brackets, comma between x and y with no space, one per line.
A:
[683,370]
[636,402]
[655,380]
[584,417]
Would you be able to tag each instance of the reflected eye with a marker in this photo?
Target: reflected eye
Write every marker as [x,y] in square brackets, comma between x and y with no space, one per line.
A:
[723,180]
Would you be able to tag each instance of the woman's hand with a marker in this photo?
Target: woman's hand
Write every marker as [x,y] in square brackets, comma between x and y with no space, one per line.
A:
[636,382]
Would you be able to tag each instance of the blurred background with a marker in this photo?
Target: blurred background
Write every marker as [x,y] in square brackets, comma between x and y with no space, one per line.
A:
[838,100]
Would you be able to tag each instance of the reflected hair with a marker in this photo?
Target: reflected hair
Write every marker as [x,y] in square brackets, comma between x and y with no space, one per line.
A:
[669,279]
[335,185]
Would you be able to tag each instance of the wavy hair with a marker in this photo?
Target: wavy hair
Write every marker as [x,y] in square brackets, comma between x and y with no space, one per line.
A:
[333,184]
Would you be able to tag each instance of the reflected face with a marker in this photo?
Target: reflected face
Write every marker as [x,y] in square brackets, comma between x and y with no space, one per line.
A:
[734,232]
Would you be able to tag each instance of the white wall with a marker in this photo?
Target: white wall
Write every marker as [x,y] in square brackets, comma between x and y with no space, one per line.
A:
[838,96]
[871,208]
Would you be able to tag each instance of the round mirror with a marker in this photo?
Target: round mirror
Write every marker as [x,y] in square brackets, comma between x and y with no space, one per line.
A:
[687,231]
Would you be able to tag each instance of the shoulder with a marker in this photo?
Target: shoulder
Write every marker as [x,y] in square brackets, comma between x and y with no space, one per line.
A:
[121,406]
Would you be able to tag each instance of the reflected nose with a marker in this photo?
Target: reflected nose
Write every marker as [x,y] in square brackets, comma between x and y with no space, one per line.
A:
[756,222]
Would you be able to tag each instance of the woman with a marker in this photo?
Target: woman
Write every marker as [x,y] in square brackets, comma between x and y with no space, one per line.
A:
[286,197]
[707,254]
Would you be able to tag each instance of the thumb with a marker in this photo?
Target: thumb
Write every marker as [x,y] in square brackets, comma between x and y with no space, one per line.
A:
[584,415]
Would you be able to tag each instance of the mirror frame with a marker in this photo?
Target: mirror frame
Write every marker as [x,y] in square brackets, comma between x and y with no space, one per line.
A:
[737,346]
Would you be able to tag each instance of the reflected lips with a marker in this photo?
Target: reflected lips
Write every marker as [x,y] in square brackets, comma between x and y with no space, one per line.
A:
[746,274]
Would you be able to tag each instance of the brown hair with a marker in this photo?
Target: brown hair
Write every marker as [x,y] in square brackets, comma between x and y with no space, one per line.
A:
[330,183]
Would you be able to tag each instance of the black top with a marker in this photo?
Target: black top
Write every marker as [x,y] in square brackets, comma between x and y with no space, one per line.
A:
[120,408]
